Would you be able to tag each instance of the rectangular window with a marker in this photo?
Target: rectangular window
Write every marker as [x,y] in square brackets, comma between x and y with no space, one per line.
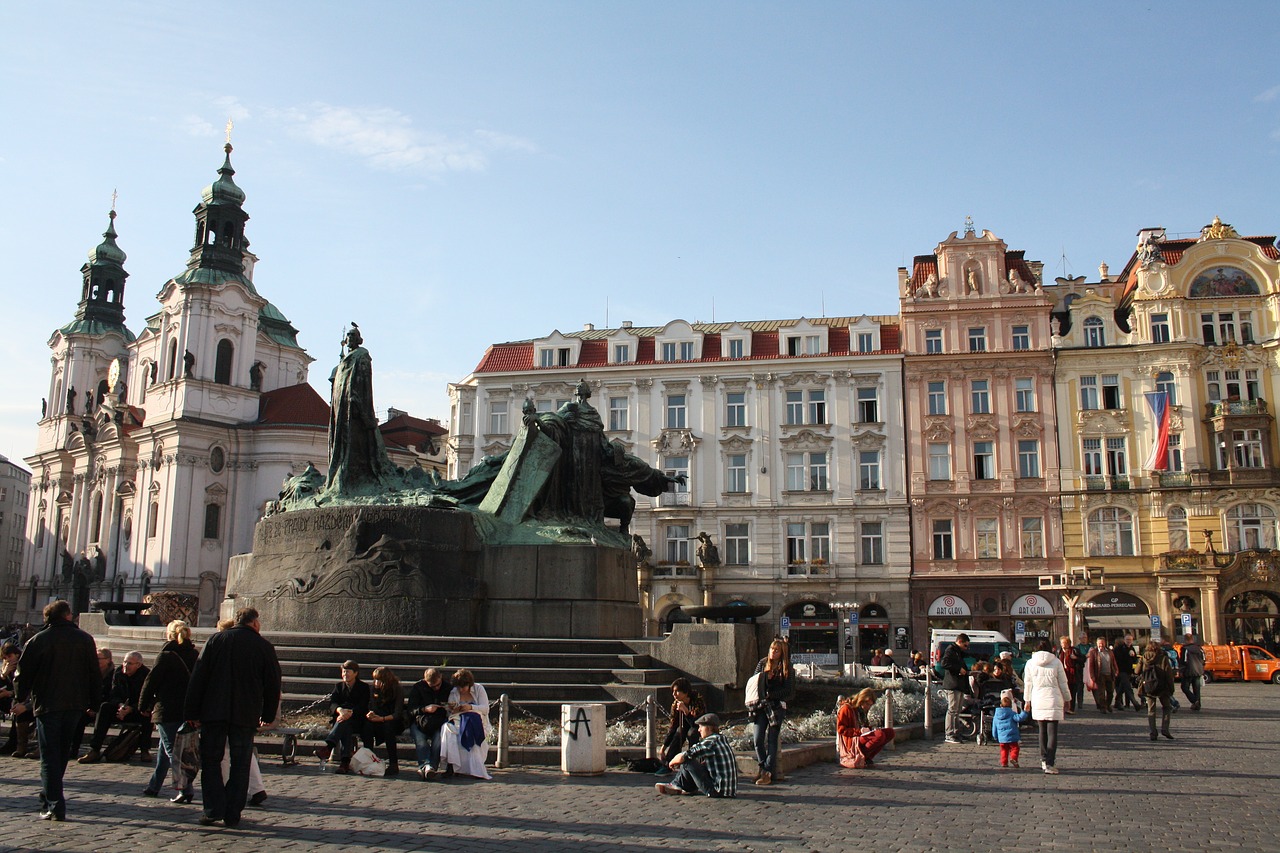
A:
[544,405]
[1032,537]
[547,358]
[621,353]
[1117,462]
[618,413]
[1021,337]
[793,345]
[812,345]
[498,417]
[872,543]
[1248,447]
[977,340]
[980,396]
[795,472]
[795,407]
[1111,391]
[1233,384]
[1159,328]
[678,493]
[1251,385]
[1025,394]
[669,351]
[820,542]
[933,341]
[795,544]
[1092,457]
[735,409]
[868,406]
[1213,379]
[1207,329]
[736,472]
[817,407]
[1088,392]
[937,398]
[562,356]
[677,412]
[737,545]
[212,521]
[986,539]
[687,351]
[1175,451]
[818,472]
[866,342]
[1166,383]
[736,348]
[1246,327]
[984,460]
[939,461]
[1028,458]
[1226,326]
[677,543]
[942,544]
[868,469]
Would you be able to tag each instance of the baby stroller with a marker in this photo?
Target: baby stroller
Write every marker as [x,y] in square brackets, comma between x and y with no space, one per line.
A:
[975,718]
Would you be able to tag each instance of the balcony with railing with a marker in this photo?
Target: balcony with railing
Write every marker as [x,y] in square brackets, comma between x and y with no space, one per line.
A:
[681,569]
[813,568]
[1100,483]
[1223,408]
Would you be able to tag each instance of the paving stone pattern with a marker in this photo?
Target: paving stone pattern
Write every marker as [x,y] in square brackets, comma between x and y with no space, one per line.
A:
[1213,788]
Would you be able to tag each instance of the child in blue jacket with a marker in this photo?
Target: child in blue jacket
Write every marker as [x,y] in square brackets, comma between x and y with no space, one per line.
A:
[1004,725]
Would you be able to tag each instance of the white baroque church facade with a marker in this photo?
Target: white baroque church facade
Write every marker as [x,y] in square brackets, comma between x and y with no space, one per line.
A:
[157,452]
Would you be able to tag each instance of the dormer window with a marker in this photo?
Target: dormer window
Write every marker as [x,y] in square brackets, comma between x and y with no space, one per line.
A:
[866,342]
[621,353]
[555,357]
[1094,332]
[735,348]
[678,351]
[804,345]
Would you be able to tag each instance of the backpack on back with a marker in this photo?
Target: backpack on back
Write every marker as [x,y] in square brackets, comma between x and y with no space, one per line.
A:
[1153,682]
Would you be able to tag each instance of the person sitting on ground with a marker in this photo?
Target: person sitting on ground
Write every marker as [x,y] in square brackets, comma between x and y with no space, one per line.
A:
[708,766]
[854,732]
[348,708]
[1004,725]
[428,712]
[686,707]
[465,744]
[385,718]
[163,693]
[122,707]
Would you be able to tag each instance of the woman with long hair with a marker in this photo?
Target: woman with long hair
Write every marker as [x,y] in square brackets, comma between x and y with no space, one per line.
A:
[854,732]
[162,696]
[385,716]
[465,739]
[777,684]
[686,707]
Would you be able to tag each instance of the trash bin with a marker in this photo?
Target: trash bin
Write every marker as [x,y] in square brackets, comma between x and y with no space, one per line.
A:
[582,741]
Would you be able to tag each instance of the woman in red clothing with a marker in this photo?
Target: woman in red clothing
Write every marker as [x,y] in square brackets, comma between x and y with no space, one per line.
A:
[853,725]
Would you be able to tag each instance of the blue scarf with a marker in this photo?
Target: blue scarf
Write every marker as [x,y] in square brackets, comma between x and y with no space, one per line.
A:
[471,730]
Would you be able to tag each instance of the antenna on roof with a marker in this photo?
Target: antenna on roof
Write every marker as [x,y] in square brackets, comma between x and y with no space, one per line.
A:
[606,310]
[713,309]
[824,303]
[1065,274]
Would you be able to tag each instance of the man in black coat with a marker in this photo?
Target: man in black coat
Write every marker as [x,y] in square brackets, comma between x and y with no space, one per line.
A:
[235,685]
[955,683]
[58,680]
[427,701]
[121,706]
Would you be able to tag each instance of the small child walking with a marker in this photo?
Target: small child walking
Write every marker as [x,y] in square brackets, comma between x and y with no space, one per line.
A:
[1004,725]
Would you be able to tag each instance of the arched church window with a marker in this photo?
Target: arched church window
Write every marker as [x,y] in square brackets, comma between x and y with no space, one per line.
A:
[153,519]
[173,360]
[222,366]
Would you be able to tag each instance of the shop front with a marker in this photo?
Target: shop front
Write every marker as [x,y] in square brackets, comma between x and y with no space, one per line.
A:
[1035,612]
[813,633]
[950,612]
[1114,614]
[873,631]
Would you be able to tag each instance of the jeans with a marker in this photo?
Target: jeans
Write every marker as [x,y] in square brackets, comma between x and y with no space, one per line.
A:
[1077,693]
[427,747]
[165,758]
[342,738]
[1166,708]
[767,743]
[225,800]
[955,704]
[1048,741]
[1124,690]
[55,732]
[1191,685]
[694,777]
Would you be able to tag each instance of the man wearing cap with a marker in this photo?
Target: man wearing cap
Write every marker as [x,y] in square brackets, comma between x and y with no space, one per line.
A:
[708,767]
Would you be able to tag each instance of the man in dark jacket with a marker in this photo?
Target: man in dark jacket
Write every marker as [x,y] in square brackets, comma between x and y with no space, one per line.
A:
[235,685]
[58,680]
[427,700]
[955,683]
[121,706]
[1191,661]
[1126,658]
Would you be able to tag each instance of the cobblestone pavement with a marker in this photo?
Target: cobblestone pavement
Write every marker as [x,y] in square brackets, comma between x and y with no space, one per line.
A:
[1213,788]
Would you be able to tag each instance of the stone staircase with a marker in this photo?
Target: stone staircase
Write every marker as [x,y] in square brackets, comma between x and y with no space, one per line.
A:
[538,674]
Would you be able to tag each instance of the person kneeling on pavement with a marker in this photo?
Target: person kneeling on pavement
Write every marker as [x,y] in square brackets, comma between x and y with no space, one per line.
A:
[708,766]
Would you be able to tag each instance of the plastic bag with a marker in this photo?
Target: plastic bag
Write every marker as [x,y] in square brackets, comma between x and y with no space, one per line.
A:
[185,765]
[366,763]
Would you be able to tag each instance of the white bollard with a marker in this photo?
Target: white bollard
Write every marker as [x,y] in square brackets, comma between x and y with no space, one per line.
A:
[928,702]
[888,716]
[504,732]
[582,739]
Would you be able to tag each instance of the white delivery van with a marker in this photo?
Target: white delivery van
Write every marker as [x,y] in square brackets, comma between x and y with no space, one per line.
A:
[983,645]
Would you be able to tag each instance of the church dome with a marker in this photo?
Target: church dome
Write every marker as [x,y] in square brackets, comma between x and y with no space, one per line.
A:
[224,190]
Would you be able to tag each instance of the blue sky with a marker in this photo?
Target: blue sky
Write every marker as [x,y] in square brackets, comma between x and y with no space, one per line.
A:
[450,175]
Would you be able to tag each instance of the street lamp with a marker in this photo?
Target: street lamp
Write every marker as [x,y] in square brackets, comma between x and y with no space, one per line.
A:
[842,609]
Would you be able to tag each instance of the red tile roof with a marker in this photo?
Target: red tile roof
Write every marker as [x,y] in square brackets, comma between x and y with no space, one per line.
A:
[503,357]
[711,346]
[644,351]
[296,405]
[890,338]
[594,354]
[764,344]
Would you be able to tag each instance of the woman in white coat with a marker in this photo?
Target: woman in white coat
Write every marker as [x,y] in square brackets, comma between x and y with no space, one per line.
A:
[464,739]
[1047,693]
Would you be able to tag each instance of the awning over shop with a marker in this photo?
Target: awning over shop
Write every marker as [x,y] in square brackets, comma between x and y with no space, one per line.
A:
[1131,621]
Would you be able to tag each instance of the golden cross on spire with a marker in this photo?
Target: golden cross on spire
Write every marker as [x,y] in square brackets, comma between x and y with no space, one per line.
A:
[230,125]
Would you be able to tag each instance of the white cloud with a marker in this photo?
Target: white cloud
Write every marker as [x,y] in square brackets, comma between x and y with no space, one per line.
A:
[195,126]
[231,107]
[387,139]
[1267,96]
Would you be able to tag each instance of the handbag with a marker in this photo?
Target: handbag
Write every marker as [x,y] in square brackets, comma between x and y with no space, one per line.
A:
[366,763]
[753,691]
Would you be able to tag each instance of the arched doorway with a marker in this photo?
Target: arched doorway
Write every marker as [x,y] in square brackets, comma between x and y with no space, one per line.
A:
[1253,618]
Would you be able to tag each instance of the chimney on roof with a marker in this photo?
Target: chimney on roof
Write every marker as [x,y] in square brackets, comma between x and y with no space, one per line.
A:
[1103,271]
[626,324]
[588,327]
[393,413]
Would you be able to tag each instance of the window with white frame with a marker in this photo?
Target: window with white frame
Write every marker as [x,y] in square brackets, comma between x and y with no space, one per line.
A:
[547,358]
[1160,328]
[1088,392]
[866,342]
[1025,394]
[933,341]
[868,406]
[986,538]
[939,461]
[807,472]
[984,460]
[797,553]
[1175,451]
[869,470]
[668,351]
[937,398]
[804,345]
[808,543]
[795,407]
[1248,448]
[1021,337]
[1110,532]
[618,414]
[1251,527]
[677,536]
[1166,383]
[735,408]
[872,543]
[675,466]
[1111,391]
[980,396]
[1092,456]
[1095,334]
[1117,457]
[737,348]
[977,339]
[1032,536]
[737,545]
[1213,383]
[1028,458]
[942,539]
[736,472]
[688,351]
[621,353]
[1179,532]
[497,417]
[817,406]
[677,411]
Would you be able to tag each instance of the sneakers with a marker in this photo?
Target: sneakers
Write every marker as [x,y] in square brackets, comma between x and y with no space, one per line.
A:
[953,740]
[1044,765]
[665,788]
[1052,771]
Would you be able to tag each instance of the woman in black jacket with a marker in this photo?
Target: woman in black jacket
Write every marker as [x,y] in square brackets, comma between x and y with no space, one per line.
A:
[162,696]
[385,719]
[776,686]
